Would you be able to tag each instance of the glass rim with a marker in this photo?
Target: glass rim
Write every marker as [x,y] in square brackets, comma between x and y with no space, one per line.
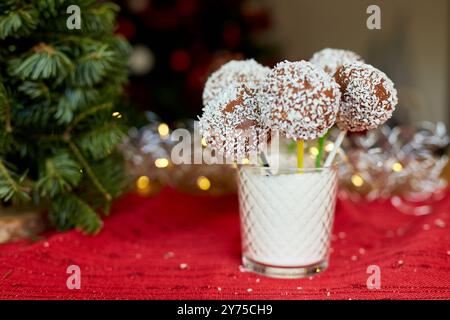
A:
[282,169]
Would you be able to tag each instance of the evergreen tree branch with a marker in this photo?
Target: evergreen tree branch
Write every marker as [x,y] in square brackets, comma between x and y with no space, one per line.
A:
[89,171]
[10,181]
[100,141]
[5,109]
[68,211]
[81,116]
[9,188]
[58,174]
[43,61]
[18,22]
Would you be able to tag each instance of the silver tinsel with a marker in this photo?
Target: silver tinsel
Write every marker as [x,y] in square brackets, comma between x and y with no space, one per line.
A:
[403,164]
[147,152]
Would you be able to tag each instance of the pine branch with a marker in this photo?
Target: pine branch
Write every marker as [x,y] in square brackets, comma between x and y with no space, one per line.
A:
[59,174]
[100,141]
[73,100]
[38,116]
[42,62]
[35,90]
[100,18]
[89,171]
[69,211]
[5,109]
[93,65]
[111,174]
[18,23]
[10,189]
[83,115]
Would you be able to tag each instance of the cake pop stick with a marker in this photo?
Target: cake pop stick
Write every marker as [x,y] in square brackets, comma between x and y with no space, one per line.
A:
[368,100]
[321,147]
[264,161]
[300,153]
[337,145]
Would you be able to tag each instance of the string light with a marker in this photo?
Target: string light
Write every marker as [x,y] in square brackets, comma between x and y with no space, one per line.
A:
[143,185]
[163,130]
[329,147]
[203,183]
[117,114]
[357,180]
[161,163]
[142,182]
[245,161]
[397,167]
[204,142]
[313,151]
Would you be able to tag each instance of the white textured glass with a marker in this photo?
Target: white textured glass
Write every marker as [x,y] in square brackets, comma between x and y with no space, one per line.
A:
[286,219]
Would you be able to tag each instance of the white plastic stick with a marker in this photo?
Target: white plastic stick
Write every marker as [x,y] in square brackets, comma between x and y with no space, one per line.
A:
[337,145]
[264,160]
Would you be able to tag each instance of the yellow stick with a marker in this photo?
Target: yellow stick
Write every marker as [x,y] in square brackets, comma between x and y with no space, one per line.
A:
[300,153]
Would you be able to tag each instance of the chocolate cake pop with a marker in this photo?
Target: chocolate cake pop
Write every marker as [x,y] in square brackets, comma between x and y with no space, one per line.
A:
[299,99]
[330,60]
[368,97]
[233,73]
[230,123]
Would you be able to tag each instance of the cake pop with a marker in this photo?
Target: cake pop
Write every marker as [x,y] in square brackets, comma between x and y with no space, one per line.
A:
[368,97]
[368,100]
[233,73]
[330,60]
[230,123]
[299,99]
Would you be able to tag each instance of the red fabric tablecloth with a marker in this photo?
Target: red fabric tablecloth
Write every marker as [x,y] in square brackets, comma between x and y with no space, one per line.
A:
[176,246]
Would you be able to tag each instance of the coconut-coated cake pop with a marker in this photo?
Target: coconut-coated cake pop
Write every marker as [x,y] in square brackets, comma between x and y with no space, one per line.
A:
[368,97]
[230,123]
[299,99]
[330,60]
[233,73]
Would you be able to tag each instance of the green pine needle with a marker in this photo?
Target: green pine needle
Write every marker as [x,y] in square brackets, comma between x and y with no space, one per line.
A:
[11,187]
[5,110]
[59,174]
[35,89]
[69,211]
[93,66]
[101,141]
[43,62]
[18,23]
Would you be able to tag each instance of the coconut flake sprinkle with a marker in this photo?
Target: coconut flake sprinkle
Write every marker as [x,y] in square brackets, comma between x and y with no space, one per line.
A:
[368,97]
[330,60]
[231,123]
[299,99]
[233,73]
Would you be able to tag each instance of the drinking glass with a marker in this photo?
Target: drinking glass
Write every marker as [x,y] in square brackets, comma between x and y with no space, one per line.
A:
[286,219]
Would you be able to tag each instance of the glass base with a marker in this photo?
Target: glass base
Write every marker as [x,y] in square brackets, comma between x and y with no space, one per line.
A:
[284,272]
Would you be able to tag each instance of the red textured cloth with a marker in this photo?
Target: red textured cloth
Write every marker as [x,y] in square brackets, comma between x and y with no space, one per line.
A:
[131,258]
